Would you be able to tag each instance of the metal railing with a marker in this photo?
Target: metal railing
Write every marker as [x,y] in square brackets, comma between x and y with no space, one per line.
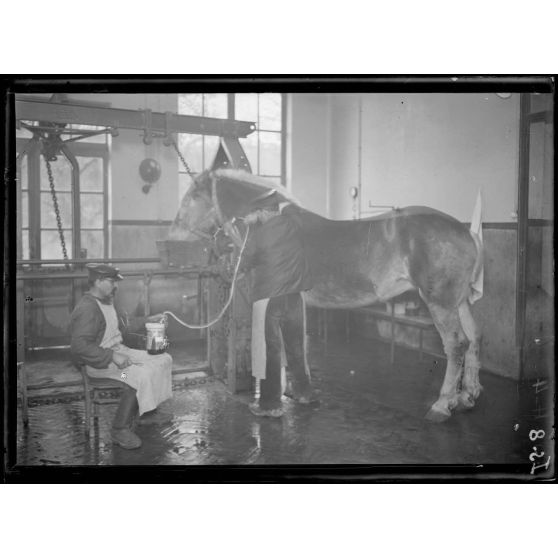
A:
[87,261]
[34,275]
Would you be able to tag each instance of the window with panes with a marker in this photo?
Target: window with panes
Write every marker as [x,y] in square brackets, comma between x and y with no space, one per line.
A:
[86,211]
[264,147]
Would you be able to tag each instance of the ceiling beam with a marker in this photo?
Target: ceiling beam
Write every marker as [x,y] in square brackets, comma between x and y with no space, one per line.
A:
[158,122]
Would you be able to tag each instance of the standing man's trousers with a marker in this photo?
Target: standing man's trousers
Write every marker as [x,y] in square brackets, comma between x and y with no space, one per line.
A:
[285,317]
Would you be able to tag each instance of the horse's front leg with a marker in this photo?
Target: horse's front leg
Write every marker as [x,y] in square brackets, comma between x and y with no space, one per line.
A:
[455,344]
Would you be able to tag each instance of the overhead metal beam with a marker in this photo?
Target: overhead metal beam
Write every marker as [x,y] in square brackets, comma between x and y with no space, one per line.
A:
[67,113]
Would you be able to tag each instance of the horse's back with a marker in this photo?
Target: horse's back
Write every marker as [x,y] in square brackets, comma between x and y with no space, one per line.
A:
[436,249]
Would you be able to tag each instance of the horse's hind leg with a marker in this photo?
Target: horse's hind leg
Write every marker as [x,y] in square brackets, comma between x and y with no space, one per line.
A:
[455,344]
[470,386]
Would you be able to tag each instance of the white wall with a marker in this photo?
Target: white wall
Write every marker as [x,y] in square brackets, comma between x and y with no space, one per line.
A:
[308,136]
[343,155]
[431,149]
[128,151]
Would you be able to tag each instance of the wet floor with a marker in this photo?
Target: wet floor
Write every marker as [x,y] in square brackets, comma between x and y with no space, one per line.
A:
[370,413]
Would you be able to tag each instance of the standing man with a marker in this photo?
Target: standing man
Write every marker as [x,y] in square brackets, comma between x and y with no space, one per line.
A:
[275,252]
[97,343]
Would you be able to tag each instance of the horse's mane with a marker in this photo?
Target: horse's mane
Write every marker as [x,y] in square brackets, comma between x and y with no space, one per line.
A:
[244,177]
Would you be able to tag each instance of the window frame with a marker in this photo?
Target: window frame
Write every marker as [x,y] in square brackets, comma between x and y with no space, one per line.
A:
[34,192]
[231,109]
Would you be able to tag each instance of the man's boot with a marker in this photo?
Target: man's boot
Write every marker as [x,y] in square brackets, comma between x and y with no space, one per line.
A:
[121,432]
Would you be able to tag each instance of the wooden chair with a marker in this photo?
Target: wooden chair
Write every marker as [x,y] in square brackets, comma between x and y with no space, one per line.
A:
[93,389]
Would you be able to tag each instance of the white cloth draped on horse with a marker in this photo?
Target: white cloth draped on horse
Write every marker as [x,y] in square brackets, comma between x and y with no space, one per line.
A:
[477,285]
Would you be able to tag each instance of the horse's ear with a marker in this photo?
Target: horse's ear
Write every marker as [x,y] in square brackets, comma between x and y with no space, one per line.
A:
[201,181]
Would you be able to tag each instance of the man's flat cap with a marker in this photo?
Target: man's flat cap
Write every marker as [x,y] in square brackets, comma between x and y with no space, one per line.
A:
[103,271]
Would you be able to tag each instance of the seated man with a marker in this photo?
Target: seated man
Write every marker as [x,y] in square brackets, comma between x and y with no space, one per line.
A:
[97,343]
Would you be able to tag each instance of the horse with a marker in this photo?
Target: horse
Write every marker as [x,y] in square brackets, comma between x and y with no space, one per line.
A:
[360,262]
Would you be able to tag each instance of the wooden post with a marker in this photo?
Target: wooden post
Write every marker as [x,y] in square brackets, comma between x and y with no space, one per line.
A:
[217,342]
[240,338]
[231,353]
[201,332]
[207,318]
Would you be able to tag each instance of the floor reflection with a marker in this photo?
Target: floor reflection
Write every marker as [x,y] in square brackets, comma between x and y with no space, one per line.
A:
[369,414]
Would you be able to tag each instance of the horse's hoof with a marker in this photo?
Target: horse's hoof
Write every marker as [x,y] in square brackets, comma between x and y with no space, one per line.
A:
[465,402]
[435,415]
[463,406]
[473,392]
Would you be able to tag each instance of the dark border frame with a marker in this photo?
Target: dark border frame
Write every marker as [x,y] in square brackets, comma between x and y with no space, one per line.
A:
[241,83]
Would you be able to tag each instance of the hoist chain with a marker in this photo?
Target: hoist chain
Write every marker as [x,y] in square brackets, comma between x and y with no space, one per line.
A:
[56,210]
[184,163]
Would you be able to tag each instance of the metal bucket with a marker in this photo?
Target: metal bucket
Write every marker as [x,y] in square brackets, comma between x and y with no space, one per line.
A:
[156,341]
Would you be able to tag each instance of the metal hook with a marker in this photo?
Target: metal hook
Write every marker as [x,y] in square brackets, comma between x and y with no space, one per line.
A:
[147,133]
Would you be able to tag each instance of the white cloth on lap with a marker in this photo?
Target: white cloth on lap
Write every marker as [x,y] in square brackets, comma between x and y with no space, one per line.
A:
[149,375]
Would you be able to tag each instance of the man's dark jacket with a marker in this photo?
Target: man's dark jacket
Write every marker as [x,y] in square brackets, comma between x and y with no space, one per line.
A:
[276,253]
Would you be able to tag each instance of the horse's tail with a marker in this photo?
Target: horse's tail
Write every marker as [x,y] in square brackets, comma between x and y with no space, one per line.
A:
[477,275]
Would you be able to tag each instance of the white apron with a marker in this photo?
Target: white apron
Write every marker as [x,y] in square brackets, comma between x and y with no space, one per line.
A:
[258,349]
[149,375]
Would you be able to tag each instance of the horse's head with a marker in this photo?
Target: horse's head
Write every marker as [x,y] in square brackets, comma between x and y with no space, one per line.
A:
[197,217]
[215,199]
